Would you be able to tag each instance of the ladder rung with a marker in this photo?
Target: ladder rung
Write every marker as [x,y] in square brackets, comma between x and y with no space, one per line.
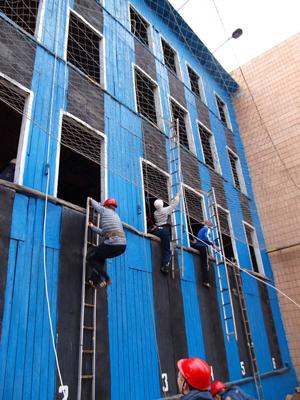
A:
[87,376]
[89,305]
[88,351]
[227,318]
[88,328]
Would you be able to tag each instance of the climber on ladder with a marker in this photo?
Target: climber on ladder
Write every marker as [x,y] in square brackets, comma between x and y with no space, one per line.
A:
[201,243]
[162,229]
[112,242]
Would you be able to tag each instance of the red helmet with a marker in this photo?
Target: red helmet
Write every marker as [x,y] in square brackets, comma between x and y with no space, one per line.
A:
[216,386]
[110,202]
[196,372]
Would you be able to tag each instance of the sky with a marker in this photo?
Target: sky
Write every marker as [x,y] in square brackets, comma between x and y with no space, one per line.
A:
[265,24]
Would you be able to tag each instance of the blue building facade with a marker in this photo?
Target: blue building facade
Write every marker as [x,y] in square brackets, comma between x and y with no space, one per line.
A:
[88,93]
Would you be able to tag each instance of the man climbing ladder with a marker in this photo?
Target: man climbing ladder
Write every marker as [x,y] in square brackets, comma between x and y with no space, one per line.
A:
[112,241]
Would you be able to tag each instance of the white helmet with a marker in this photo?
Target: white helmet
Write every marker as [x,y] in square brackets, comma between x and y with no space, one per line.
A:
[158,204]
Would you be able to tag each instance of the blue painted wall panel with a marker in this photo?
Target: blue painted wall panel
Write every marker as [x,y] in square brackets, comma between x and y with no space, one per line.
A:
[133,348]
[26,344]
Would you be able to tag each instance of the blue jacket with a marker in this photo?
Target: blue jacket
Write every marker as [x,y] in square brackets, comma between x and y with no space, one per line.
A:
[203,237]
[197,395]
[235,393]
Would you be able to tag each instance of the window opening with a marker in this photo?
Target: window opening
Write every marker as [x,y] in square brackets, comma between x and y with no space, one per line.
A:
[12,104]
[23,13]
[223,112]
[235,169]
[169,56]
[194,212]
[251,247]
[180,114]
[84,48]
[208,147]
[156,186]
[195,82]
[79,163]
[139,27]
[145,96]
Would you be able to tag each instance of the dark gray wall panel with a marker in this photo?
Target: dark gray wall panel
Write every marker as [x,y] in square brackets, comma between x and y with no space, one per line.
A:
[211,323]
[154,145]
[230,139]
[176,89]
[69,295]
[86,100]
[245,208]
[218,184]
[91,11]
[203,113]
[145,59]
[169,318]
[17,54]
[6,206]
[270,325]
[190,169]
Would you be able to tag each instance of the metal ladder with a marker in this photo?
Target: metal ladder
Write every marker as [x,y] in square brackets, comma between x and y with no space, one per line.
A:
[254,366]
[176,185]
[221,266]
[87,343]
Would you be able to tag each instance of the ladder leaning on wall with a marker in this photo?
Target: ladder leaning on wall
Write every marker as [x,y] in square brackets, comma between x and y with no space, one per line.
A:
[250,344]
[176,185]
[87,343]
[221,267]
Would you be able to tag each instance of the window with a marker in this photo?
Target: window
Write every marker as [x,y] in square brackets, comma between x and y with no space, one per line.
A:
[223,112]
[253,249]
[194,211]
[156,184]
[236,171]
[81,157]
[209,148]
[24,13]
[84,48]
[139,27]
[12,104]
[196,83]
[170,57]
[178,113]
[146,96]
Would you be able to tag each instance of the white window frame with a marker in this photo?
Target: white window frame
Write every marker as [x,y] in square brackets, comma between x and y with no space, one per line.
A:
[189,132]
[149,29]
[256,248]
[102,82]
[25,126]
[228,121]
[185,186]
[157,99]
[239,171]
[103,165]
[40,21]
[200,83]
[177,61]
[213,147]
[143,160]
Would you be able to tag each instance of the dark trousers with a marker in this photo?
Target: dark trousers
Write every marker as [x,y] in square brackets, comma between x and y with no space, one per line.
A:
[203,261]
[96,260]
[164,233]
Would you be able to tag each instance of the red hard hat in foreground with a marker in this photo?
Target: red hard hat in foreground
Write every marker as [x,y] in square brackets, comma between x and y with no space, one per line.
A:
[110,202]
[196,372]
[216,386]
